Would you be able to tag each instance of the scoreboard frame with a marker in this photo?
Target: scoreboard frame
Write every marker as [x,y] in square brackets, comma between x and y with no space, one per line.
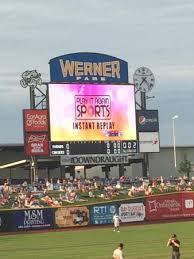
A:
[95,147]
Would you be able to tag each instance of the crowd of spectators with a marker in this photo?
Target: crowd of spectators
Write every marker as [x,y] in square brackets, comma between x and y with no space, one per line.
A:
[58,193]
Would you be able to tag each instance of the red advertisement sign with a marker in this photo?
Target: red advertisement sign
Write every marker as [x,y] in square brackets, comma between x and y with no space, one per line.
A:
[36,144]
[35,120]
[170,206]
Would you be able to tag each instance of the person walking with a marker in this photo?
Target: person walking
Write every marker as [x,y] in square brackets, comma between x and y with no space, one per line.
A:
[118,252]
[116,222]
[175,244]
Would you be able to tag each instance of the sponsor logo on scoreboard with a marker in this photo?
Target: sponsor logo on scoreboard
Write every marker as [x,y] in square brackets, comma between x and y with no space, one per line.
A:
[94,159]
[92,107]
[93,70]
[147,120]
[149,142]
[88,67]
[36,144]
[35,120]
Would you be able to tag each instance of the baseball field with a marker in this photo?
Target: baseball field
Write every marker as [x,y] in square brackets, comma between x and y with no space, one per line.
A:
[140,242]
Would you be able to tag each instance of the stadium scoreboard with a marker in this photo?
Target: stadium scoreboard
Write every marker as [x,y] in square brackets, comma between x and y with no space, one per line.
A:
[92,119]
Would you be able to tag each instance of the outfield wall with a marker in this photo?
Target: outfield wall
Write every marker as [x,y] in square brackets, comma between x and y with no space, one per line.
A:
[145,209]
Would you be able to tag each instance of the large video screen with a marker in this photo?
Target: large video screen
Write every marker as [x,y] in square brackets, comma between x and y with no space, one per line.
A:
[92,112]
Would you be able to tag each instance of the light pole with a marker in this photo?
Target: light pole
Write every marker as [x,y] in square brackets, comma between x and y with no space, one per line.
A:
[174,137]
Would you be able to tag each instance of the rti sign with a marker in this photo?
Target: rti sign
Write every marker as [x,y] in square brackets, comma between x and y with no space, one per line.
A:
[88,67]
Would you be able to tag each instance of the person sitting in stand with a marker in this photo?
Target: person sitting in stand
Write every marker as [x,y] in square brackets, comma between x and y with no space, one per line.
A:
[62,196]
[27,202]
[72,196]
[132,191]
[21,199]
[182,184]
[149,190]
[34,203]
[3,200]
[91,194]
[48,200]
[114,193]
[55,203]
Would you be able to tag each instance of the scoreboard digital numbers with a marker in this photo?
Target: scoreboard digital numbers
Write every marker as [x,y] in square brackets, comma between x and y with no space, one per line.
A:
[88,119]
[94,147]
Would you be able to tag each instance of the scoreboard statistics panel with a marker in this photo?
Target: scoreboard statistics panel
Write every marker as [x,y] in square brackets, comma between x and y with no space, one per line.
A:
[94,147]
[92,119]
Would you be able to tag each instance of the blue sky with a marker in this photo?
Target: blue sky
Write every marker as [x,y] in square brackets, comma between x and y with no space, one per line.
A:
[156,34]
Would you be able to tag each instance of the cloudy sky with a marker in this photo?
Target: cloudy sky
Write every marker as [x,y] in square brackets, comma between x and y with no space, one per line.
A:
[158,34]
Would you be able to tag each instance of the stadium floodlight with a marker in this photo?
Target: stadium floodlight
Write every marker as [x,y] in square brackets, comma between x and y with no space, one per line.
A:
[14,164]
[175,117]
[174,137]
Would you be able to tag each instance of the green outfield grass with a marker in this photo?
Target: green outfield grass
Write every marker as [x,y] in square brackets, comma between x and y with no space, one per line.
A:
[141,242]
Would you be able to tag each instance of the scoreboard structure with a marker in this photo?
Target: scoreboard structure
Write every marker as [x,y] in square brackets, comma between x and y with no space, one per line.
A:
[92,119]
[93,147]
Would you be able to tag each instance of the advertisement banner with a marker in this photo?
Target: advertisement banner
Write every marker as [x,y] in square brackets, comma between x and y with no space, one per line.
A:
[147,121]
[170,206]
[34,219]
[88,67]
[36,144]
[149,142]
[132,212]
[94,160]
[92,112]
[7,223]
[72,217]
[35,120]
[102,214]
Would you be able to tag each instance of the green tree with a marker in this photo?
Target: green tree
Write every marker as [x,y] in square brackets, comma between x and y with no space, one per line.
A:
[185,167]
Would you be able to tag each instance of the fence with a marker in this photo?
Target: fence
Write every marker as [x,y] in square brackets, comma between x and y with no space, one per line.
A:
[147,209]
